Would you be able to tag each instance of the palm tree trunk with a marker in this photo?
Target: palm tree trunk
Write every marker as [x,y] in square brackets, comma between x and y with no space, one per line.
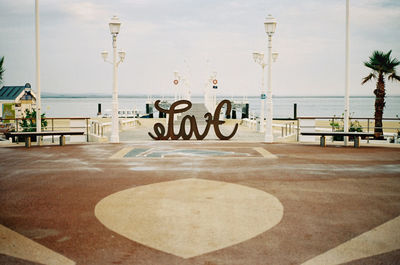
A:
[379,106]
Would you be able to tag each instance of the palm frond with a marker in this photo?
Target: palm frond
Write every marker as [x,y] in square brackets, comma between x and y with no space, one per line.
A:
[393,76]
[394,63]
[382,62]
[2,70]
[367,78]
[371,65]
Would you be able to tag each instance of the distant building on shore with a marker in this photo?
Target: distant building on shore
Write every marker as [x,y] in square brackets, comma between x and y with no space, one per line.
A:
[14,100]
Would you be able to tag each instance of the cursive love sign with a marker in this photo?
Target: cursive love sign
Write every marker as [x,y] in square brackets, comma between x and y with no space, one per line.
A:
[162,134]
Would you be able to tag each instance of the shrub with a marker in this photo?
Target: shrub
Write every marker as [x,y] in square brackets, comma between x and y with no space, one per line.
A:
[28,124]
[355,126]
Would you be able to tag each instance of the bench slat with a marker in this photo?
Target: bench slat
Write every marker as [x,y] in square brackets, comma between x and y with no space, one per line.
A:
[44,133]
[322,135]
[338,133]
[28,135]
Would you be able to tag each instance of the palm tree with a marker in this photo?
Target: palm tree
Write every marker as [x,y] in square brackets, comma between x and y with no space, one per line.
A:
[382,65]
[1,69]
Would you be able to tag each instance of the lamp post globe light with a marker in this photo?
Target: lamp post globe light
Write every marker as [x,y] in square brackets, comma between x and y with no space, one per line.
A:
[259,58]
[270,26]
[275,56]
[115,25]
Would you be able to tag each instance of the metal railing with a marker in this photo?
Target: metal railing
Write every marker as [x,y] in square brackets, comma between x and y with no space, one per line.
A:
[91,127]
[287,127]
[366,124]
[53,124]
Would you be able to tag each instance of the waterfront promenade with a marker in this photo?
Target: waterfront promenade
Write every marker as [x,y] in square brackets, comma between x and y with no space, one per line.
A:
[140,133]
[199,202]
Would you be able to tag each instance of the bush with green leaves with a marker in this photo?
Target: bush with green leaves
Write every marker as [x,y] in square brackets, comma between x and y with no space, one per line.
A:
[338,126]
[28,124]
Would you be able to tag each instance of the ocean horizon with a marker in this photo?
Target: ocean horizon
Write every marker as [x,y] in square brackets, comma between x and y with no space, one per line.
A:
[307,106]
[95,95]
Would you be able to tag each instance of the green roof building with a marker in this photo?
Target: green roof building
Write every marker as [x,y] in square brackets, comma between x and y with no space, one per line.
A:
[14,100]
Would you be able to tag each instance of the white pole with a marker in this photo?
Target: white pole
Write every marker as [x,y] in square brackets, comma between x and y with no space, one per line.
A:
[214,99]
[38,100]
[262,113]
[210,97]
[175,92]
[269,138]
[346,98]
[115,124]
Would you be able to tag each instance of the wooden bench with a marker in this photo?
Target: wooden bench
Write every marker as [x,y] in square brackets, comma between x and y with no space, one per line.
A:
[28,135]
[356,136]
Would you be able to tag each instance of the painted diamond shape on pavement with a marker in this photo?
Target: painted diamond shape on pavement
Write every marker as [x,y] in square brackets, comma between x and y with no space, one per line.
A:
[189,217]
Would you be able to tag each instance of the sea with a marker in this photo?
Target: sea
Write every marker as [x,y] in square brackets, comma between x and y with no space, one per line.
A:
[283,107]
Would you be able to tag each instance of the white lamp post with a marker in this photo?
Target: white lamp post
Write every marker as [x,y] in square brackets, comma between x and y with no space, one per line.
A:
[270,26]
[176,83]
[38,99]
[214,85]
[259,58]
[185,88]
[346,96]
[182,86]
[115,25]
[210,92]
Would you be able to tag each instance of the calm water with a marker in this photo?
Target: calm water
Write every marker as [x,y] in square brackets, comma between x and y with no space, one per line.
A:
[283,106]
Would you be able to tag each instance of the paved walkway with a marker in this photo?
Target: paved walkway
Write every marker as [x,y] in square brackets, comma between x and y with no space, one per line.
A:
[208,203]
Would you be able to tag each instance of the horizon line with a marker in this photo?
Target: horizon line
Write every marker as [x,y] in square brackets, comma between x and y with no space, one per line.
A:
[100,95]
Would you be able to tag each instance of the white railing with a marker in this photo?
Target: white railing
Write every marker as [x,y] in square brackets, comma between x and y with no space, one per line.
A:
[391,127]
[128,123]
[54,124]
[250,123]
[287,129]
[100,129]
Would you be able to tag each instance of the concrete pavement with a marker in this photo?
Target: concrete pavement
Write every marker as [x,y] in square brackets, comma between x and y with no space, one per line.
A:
[210,202]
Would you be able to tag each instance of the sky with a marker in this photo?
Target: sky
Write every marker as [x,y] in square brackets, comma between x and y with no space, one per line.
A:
[197,38]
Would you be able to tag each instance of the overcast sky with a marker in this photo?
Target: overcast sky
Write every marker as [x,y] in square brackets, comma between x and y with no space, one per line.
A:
[197,38]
